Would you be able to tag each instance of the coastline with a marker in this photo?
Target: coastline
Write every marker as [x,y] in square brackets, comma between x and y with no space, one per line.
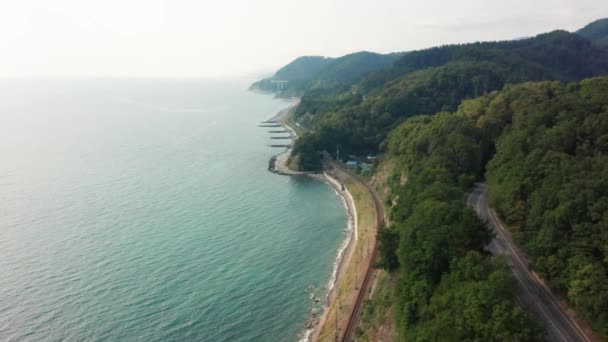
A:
[278,164]
[344,255]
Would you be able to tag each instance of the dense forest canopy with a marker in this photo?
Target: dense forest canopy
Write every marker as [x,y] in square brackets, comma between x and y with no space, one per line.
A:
[424,82]
[448,287]
[544,147]
[448,116]
[548,181]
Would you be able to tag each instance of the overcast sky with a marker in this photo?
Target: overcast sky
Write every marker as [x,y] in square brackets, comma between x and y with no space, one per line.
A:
[204,38]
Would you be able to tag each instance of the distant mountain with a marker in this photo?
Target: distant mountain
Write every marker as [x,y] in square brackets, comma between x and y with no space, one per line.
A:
[557,55]
[302,68]
[359,117]
[349,68]
[318,72]
[597,32]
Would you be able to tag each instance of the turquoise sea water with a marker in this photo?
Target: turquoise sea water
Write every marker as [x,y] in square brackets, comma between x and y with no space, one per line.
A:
[142,210]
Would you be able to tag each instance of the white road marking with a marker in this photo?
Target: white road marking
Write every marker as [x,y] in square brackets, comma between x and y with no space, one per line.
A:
[496,224]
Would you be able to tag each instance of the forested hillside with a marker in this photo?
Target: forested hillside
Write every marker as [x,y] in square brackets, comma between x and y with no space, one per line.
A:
[349,68]
[547,146]
[531,117]
[302,68]
[549,181]
[597,32]
[358,118]
[448,287]
[306,73]
[298,73]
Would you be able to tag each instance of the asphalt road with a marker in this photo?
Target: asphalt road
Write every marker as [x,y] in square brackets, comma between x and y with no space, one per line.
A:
[533,294]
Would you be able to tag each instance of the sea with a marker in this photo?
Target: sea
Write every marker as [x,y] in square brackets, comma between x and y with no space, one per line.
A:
[143,210]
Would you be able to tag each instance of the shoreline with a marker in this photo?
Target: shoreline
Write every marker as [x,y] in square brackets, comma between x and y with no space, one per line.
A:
[278,165]
[344,255]
[278,162]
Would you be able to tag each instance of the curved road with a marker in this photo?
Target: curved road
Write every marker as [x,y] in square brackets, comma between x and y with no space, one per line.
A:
[533,294]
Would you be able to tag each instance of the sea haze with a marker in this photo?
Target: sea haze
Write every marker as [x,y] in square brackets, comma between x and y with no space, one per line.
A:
[142,210]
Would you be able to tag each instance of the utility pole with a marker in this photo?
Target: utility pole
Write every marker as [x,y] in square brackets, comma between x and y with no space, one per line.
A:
[338,152]
[357,267]
[337,308]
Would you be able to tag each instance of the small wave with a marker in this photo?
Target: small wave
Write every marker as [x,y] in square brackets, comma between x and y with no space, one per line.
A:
[343,246]
[307,334]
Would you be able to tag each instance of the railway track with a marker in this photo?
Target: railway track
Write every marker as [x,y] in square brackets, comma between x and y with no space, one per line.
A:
[355,315]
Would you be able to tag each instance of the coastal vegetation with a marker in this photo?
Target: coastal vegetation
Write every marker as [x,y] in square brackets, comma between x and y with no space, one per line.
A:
[545,144]
[315,72]
[298,75]
[377,323]
[358,117]
[548,181]
[448,287]
[530,116]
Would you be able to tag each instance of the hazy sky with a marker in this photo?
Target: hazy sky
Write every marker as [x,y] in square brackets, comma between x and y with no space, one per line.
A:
[204,38]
